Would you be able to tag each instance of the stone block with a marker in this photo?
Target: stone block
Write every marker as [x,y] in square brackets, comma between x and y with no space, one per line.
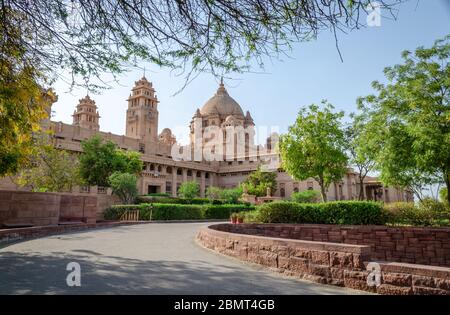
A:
[397,279]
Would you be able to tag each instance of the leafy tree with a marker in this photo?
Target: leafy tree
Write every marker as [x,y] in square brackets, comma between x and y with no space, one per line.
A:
[443,194]
[92,37]
[258,182]
[100,159]
[231,195]
[314,146]
[50,169]
[306,196]
[213,192]
[124,185]
[361,148]
[410,118]
[189,190]
[23,103]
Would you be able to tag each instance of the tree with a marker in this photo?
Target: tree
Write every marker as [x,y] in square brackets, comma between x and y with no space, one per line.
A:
[314,146]
[189,190]
[361,148]
[124,186]
[89,38]
[23,103]
[443,195]
[410,118]
[258,182]
[306,196]
[213,192]
[100,159]
[50,169]
[231,195]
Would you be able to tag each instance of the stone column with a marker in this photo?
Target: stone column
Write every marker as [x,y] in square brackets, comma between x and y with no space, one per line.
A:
[211,179]
[184,175]
[174,181]
[202,184]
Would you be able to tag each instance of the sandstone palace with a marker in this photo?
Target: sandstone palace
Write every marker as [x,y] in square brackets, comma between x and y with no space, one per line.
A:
[163,173]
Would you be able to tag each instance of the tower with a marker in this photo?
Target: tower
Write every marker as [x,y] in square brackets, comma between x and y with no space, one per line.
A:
[86,114]
[142,112]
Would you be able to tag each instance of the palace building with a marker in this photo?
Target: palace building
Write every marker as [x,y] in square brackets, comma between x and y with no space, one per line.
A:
[163,173]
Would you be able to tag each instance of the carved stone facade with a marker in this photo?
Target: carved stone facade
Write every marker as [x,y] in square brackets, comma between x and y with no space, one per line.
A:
[163,173]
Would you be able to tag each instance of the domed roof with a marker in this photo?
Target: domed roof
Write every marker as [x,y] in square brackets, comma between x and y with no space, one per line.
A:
[222,104]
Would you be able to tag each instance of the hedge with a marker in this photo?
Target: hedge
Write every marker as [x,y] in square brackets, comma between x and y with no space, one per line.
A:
[181,201]
[338,212]
[160,211]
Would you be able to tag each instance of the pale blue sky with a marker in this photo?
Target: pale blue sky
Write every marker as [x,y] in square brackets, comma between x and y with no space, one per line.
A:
[314,72]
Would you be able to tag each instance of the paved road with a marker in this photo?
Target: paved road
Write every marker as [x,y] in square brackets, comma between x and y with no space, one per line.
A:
[139,259]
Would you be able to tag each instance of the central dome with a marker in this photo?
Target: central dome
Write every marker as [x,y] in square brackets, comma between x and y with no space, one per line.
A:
[222,104]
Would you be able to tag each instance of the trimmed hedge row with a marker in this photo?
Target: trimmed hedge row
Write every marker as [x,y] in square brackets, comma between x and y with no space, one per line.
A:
[176,211]
[338,212]
[181,201]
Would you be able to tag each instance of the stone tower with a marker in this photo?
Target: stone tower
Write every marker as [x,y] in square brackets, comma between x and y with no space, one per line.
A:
[86,114]
[142,112]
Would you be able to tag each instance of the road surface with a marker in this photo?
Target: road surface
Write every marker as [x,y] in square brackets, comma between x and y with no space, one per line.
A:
[139,259]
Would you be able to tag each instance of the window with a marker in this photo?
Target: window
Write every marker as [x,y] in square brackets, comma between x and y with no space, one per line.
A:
[168,187]
[296,189]
[282,192]
[85,189]
[101,190]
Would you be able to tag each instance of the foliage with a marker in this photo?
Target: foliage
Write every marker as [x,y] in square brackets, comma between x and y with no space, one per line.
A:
[50,170]
[100,159]
[100,36]
[124,185]
[258,181]
[410,119]
[314,146]
[361,147]
[306,196]
[338,212]
[231,195]
[443,195]
[426,213]
[24,103]
[213,192]
[176,211]
[182,201]
[158,195]
[189,190]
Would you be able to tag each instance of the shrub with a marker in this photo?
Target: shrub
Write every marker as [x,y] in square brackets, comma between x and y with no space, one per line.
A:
[231,195]
[213,192]
[338,212]
[306,196]
[189,190]
[176,211]
[182,201]
[124,186]
[158,195]
[428,213]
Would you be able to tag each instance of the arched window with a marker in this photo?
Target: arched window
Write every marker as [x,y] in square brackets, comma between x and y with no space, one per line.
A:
[169,170]
[296,189]
[282,192]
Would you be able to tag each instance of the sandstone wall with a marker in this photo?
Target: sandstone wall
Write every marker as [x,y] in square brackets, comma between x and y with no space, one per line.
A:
[416,245]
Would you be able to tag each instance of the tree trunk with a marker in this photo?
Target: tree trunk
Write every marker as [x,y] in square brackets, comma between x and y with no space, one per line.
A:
[323,192]
[447,184]
[361,188]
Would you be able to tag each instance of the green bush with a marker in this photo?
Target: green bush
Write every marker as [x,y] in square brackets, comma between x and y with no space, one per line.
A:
[306,196]
[124,186]
[338,212]
[189,189]
[158,195]
[427,213]
[176,211]
[181,201]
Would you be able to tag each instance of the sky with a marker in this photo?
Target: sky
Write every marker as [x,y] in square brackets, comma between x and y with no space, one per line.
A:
[313,72]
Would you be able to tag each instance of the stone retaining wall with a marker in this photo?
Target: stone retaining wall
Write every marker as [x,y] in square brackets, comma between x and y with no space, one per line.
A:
[42,209]
[328,263]
[415,245]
